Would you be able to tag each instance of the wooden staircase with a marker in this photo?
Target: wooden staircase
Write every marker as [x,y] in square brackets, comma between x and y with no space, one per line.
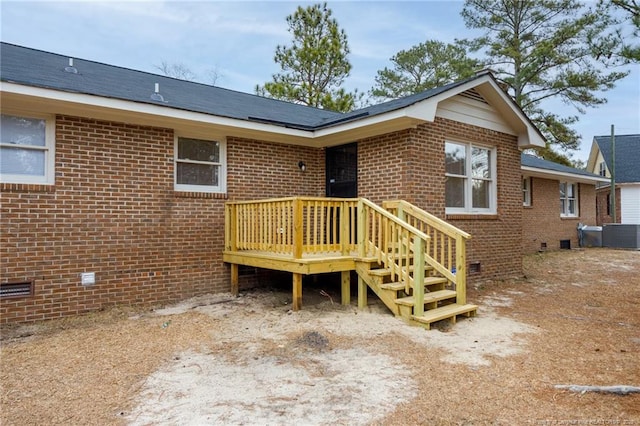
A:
[438,297]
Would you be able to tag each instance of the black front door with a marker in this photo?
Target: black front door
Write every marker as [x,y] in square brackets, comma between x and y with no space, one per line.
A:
[342,171]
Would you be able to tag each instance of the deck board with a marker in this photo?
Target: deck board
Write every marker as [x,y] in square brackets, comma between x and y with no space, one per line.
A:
[309,263]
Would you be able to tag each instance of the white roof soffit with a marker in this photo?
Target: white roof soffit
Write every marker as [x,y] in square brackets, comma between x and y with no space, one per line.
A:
[555,175]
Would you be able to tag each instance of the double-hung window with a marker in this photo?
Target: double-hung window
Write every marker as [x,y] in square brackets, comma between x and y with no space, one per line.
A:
[199,165]
[470,178]
[568,199]
[27,153]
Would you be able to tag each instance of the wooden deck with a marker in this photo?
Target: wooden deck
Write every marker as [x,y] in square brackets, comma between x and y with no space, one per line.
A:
[399,251]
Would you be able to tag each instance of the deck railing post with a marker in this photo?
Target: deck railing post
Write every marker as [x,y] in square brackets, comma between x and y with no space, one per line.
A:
[230,227]
[418,276]
[297,228]
[362,228]
[400,213]
[233,219]
[344,228]
[227,227]
[461,270]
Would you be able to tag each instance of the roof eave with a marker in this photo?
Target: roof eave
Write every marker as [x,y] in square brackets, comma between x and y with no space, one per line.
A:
[366,126]
[557,175]
[30,98]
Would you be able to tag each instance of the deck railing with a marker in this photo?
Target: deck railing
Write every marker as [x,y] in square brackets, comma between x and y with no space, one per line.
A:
[293,226]
[446,249]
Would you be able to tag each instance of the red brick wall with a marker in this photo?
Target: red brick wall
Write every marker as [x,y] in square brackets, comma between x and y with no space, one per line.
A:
[263,170]
[410,165]
[113,211]
[541,222]
[602,195]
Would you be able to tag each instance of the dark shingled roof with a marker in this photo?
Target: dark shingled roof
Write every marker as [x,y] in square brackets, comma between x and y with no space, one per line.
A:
[531,161]
[627,167]
[37,68]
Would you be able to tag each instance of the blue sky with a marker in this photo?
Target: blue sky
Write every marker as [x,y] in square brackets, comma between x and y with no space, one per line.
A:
[239,39]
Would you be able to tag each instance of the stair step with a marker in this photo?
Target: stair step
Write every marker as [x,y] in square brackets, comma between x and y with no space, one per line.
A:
[392,286]
[427,282]
[444,312]
[433,296]
[385,272]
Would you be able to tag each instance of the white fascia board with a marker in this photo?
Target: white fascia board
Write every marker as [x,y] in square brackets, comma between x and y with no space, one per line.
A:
[555,175]
[530,139]
[424,110]
[366,122]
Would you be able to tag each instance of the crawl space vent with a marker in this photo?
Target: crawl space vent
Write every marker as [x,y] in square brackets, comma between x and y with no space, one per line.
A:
[20,289]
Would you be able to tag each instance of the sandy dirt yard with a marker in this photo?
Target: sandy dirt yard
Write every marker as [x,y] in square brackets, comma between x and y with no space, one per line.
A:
[574,319]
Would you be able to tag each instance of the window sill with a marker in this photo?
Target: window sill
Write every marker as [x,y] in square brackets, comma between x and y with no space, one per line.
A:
[471,216]
[569,217]
[209,195]
[27,187]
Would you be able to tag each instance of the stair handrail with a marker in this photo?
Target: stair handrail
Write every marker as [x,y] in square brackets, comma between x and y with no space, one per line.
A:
[456,273]
[434,221]
[401,235]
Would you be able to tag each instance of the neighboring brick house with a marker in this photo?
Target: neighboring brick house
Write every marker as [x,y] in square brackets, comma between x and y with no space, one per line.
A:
[627,178]
[113,181]
[555,199]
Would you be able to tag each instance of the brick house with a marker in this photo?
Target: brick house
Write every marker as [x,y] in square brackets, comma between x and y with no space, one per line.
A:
[113,182]
[627,177]
[555,199]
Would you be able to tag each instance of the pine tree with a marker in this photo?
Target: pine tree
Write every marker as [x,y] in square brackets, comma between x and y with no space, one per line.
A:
[315,65]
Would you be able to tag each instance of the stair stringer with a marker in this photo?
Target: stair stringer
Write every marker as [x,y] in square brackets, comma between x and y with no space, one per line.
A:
[387,297]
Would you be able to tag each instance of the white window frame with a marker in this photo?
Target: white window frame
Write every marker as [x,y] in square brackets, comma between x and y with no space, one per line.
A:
[468,204]
[565,212]
[222,175]
[49,175]
[526,191]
